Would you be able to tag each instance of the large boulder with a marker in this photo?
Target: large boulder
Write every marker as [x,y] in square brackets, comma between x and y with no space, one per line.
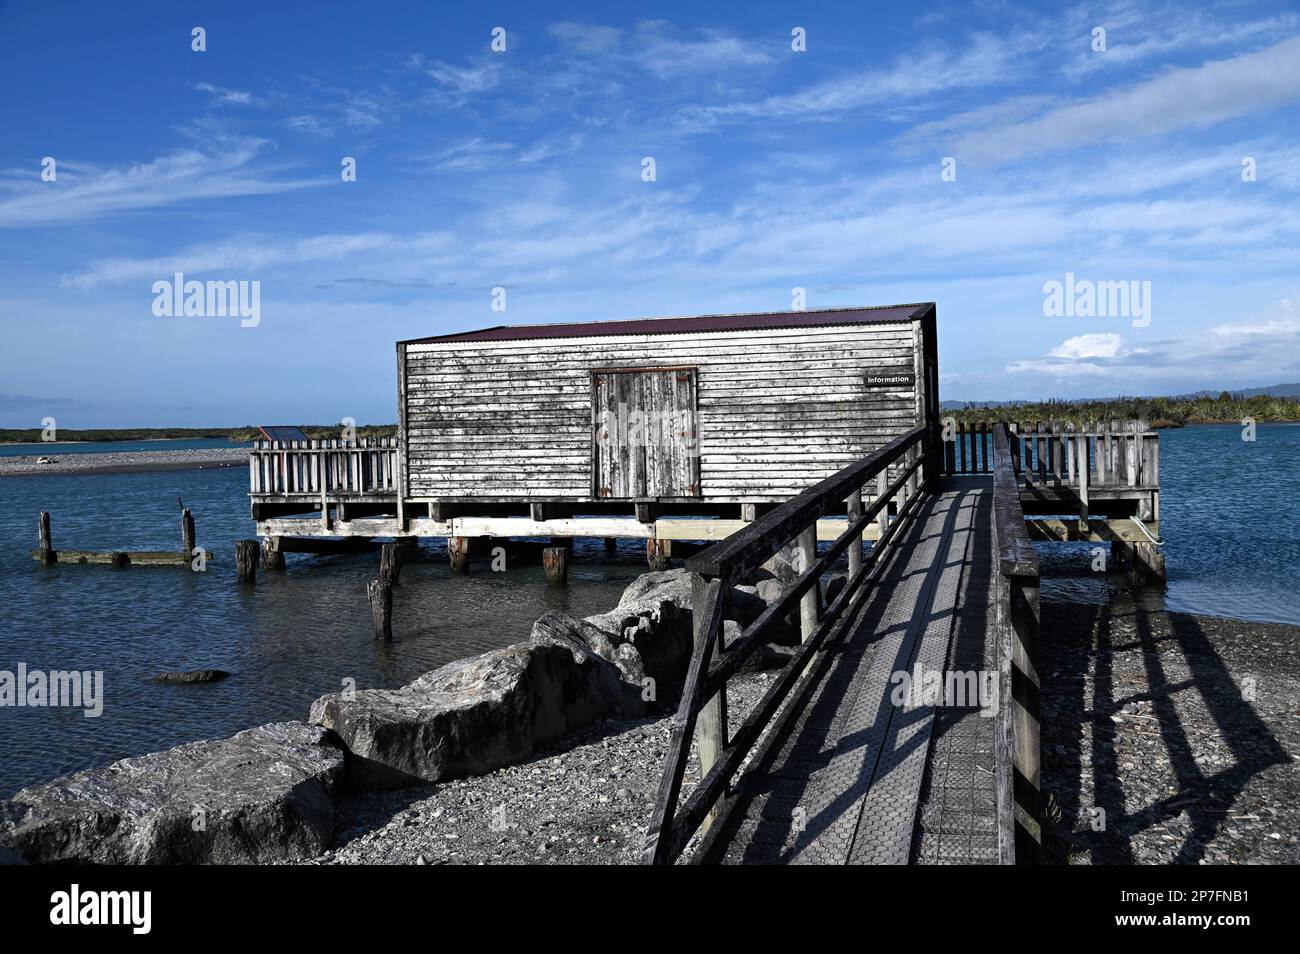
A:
[784,631]
[746,605]
[672,586]
[654,616]
[610,647]
[786,564]
[475,715]
[260,796]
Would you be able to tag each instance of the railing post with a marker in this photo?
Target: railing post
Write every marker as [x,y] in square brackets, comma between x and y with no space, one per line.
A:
[913,480]
[810,602]
[1083,482]
[1026,734]
[855,549]
[882,517]
[711,722]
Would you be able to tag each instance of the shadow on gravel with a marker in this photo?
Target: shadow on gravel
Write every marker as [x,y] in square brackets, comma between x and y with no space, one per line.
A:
[1160,640]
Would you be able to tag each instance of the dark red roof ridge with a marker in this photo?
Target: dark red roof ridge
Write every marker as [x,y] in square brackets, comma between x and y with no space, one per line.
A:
[738,321]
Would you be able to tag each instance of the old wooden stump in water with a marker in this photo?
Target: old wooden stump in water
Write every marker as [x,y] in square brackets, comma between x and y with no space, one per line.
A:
[658,553]
[380,594]
[458,553]
[246,559]
[187,533]
[47,545]
[272,553]
[390,562]
[555,561]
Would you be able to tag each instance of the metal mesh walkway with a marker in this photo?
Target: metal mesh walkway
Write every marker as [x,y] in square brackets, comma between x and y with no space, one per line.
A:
[846,775]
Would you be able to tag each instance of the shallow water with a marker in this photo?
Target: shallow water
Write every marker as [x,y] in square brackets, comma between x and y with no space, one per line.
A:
[1227,512]
[289,639]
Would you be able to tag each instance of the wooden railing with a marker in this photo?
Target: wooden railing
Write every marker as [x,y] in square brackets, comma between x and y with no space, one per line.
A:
[898,472]
[1016,617]
[1103,455]
[323,467]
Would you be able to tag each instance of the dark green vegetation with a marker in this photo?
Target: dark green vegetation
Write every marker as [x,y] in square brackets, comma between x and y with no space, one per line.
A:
[32,435]
[1157,411]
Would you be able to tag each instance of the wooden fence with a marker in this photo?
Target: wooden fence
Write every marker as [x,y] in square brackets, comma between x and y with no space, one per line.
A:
[1015,635]
[323,467]
[702,713]
[1104,455]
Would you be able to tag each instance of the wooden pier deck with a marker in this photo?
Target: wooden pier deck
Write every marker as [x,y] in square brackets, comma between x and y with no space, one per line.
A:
[847,776]
[905,729]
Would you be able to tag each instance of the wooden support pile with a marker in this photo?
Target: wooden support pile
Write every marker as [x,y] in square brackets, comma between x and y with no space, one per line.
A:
[380,594]
[247,554]
[555,561]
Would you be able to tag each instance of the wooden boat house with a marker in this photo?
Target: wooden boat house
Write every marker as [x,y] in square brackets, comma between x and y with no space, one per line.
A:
[724,409]
[613,428]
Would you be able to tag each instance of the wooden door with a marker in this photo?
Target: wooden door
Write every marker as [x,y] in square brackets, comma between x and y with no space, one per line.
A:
[646,441]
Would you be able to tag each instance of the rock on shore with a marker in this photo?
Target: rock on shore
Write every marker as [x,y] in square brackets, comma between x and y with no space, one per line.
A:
[474,715]
[260,796]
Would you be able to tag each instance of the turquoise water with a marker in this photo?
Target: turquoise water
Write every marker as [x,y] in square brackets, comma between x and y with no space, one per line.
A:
[1228,511]
[57,449]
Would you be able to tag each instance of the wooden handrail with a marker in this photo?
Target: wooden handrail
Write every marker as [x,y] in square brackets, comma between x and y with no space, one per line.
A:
[1015,638]
[713,572]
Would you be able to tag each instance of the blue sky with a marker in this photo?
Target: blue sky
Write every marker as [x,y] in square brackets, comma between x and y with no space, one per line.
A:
[522,169]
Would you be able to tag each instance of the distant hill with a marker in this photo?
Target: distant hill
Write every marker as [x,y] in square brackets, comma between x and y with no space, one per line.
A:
[1276,390]
[1273,390]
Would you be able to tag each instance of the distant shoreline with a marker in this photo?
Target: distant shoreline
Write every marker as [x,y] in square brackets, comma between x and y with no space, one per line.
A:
[238,435]
[123,462]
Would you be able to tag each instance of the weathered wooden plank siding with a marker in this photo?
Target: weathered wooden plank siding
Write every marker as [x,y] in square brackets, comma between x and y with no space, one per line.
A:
[778,409]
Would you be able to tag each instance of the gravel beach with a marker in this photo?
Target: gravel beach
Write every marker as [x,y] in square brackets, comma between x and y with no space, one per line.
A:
[585,801]
[1183,729]
[1189,771]
[123,462]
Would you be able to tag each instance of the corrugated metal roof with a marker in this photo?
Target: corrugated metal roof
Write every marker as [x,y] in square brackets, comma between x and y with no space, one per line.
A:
[755,321]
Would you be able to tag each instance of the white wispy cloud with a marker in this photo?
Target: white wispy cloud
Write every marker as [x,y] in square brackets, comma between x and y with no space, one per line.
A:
[1192,97]
[241,255]
[1136,33]
[586,38]
[463,80]
[986,59]
[1101,345]
[219,95]
[225,167]
[662,48]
